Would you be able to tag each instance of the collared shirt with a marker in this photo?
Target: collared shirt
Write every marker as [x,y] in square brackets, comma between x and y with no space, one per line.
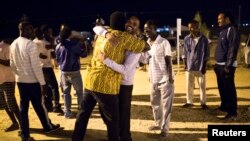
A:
[101,78]
[195,52]
[25,62]
[228,45]
[6,75]
[160,48]
[127,69]
[41,46]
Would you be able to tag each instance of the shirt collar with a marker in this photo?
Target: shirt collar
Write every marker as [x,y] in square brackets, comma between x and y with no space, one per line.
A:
[157,40]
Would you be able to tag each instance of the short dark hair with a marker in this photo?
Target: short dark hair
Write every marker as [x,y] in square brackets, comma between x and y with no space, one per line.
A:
[194,22]
[229,15]
[152,23]
[64,34]
[118,20]
[38,32]
[24,24]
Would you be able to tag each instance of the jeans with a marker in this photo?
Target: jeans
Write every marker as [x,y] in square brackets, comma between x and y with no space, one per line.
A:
[75,79]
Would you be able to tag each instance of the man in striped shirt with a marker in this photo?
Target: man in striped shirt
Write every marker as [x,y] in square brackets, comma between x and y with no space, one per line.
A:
[25,63]
[161,78]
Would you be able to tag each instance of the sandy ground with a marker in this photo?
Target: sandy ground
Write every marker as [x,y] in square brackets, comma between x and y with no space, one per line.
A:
[186,124]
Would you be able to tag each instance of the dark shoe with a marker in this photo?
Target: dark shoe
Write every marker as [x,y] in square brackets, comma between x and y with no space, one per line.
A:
[187,105]
[219,112]
[228,117]
[27,139]
[204,107]
[54,128]
[163,135]
[154,127]
[58,110]
[12,128]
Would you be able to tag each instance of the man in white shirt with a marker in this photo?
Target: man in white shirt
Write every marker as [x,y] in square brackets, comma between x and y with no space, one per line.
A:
[161,78]
[25,63]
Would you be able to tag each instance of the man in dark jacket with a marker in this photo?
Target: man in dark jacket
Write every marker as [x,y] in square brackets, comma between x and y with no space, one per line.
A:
[226,63]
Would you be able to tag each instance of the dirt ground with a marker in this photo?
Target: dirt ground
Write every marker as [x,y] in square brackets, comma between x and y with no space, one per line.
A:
[186,124]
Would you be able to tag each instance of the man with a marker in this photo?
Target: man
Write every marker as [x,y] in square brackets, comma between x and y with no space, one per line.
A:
[195,57]
[127,69]
[25,63]
[68,55]
[102,84]
[7,87]
[226,63]
[48,72]
[161,78]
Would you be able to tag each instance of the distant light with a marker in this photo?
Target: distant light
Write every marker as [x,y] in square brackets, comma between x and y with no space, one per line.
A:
[212,25]
[247,24]
[88,38]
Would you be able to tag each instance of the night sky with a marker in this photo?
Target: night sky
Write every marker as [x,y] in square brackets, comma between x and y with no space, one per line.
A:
[81,14]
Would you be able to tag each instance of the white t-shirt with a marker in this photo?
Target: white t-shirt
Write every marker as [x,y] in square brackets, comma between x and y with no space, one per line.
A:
[45,63]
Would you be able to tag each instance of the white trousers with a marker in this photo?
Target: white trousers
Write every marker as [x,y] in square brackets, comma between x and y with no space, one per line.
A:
[161,99]
[190,81]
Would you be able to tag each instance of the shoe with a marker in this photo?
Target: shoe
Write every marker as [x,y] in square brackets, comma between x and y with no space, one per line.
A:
[58,110]
[69,115]
[219,112]
[54,128]
[163,135]
[228,117]
[12,128]
[204,107]
[27,139]
[154,127]
[187,105]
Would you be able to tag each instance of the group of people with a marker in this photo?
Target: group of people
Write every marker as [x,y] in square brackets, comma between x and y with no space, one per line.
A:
[118,49]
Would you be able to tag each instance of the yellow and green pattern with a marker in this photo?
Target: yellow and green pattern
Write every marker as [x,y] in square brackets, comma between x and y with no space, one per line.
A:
[100,78]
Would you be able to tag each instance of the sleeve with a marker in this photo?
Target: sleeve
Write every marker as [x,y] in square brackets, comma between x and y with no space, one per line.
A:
[100,30]
[167,48]
[234,43]
[80,51]
[12,63]
[133,44]
[207,51]
[35,63]
[131,62]
[144,58]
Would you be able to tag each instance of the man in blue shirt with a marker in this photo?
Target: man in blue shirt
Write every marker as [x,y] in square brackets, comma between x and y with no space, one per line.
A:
[195,56]
[68,55]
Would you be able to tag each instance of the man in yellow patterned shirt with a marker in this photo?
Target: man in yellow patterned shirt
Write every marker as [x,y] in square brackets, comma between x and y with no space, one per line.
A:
[102,83]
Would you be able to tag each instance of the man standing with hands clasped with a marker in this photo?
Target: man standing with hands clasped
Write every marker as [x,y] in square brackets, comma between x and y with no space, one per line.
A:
[195,56]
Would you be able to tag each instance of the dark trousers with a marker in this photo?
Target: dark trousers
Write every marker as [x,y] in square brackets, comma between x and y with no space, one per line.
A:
[125,96]
[227,89]
[31,92]
[53,91]
[109,106]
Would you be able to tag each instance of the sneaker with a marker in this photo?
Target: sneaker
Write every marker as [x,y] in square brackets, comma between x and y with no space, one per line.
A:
[163,135]
[12,128]
[154,127]
[218,112]
[54,128]
[69,115]
[187,105]
[204,107]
